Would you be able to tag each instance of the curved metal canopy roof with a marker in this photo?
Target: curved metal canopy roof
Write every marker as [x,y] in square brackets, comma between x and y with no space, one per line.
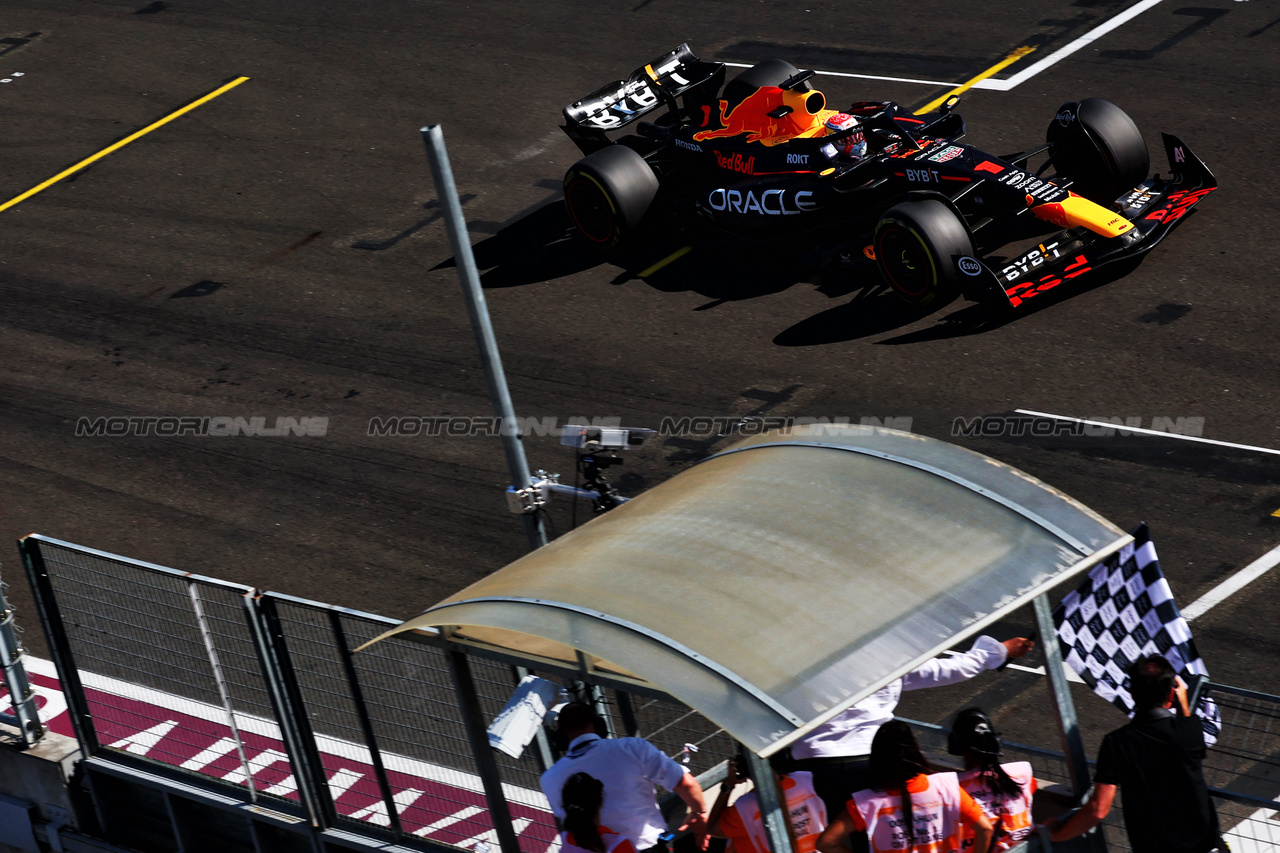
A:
[780,581]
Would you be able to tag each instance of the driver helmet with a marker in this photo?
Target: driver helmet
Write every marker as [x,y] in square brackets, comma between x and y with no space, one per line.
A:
[854,144]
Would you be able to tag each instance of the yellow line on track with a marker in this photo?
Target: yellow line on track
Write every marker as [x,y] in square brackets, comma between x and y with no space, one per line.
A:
[998,67]
[674,256]
[123,142]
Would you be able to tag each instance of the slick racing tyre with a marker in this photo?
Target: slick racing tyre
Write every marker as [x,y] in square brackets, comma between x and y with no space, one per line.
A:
[771,72]
[607,193]
[915,242]
[1099,148]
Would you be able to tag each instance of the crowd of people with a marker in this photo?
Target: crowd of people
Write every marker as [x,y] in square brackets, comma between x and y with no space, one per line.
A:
[861,783]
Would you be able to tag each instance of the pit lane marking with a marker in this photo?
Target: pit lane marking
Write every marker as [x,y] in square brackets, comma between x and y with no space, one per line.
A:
[674,256]
[1063,52]
[123,142]
[1126,429]
[969,84]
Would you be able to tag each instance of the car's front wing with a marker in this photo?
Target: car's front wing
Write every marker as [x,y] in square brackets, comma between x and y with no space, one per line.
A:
[1155,207]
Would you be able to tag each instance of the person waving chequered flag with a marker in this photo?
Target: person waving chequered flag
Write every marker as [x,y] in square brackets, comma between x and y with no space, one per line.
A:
[1122,611]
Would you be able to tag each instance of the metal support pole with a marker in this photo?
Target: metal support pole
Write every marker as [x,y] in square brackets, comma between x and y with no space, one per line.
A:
[25,715]
[772,805]
[1072,743]
[486,766]
[590,693]
[478,311]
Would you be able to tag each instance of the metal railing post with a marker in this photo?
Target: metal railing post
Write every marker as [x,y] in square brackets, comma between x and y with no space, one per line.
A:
[366,723]
[216,666]
[769,799]
[478,311]
[627,710]
[26,717]
[1068,726]
[286,699]
[478,737]
[59,645]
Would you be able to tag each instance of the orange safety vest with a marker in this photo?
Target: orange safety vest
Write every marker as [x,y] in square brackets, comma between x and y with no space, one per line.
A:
[804,807]
[613,842]
[1012,816]
[935,812]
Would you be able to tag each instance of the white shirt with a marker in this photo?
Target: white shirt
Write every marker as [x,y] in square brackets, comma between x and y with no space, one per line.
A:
[629,767]
[850,732]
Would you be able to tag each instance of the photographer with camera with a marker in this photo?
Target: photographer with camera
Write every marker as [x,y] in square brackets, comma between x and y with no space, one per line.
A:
[629,767]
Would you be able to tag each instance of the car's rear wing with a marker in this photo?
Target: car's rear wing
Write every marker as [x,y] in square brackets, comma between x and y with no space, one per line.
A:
[674,74]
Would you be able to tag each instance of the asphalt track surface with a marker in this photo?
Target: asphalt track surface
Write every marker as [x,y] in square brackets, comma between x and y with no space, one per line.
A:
[278,252]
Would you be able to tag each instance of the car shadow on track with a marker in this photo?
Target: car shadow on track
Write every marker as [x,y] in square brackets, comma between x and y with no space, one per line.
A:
[538,247]
[877,312]
[544,245]
[727,271]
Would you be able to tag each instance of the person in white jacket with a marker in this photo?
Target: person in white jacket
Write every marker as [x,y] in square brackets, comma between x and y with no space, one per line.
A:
[837,752]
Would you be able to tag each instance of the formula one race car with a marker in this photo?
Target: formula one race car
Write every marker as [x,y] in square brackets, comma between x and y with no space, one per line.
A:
[764,159]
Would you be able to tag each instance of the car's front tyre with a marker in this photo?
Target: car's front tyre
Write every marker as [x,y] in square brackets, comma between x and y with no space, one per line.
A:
[915,244]
[1099,147]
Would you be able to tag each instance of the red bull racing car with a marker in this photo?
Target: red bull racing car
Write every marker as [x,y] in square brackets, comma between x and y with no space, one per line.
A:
[763,158]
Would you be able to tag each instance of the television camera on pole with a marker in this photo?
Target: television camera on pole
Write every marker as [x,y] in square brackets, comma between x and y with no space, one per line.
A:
[597,449]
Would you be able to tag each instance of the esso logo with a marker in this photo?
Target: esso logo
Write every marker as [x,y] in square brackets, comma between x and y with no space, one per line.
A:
[1066,117]
[970,266]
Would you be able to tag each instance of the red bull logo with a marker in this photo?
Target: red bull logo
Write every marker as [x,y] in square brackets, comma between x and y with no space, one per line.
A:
[804,116]
[736,162]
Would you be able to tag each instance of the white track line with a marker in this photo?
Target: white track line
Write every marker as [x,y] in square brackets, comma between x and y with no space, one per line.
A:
[1125,429]
[863,76]
[1233,584]
[1063,52]
[1027,73]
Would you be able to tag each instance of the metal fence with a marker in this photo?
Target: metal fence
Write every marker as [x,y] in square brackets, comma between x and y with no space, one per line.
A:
[258,698]
[1243,767]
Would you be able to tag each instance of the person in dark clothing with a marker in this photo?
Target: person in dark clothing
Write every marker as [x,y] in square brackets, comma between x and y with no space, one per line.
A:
[1155,760]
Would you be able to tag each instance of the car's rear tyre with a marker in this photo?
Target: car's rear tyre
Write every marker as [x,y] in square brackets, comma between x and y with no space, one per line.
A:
[915,244]
[608,193]
[771,72]
[1099,148]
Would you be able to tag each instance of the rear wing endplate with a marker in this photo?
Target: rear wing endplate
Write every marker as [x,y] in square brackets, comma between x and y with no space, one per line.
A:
[616,105]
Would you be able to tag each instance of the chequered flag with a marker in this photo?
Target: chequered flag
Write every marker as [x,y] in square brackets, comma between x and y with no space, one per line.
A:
[1123,611]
